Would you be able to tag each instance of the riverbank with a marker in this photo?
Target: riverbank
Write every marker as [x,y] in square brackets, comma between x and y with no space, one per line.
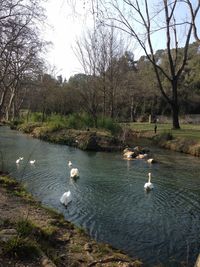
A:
[89,139]
[186,140]
[102,140]
[32,235]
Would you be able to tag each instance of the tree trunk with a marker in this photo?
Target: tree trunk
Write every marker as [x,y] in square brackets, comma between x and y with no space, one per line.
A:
[175,116]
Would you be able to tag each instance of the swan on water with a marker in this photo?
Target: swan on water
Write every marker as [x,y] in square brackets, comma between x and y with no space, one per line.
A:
[148,185]
[151,160]
[69,163]
[32,161]
[66,198]
[19,159]
[74,173]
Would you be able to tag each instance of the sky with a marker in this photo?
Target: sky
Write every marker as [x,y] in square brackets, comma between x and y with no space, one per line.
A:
[62,30]
[65,26]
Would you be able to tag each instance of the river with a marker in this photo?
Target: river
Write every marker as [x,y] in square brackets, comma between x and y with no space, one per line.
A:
[109,201]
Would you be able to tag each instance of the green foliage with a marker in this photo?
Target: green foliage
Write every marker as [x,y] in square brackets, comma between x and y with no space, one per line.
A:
[56,122]
[22,248]
[78,121]
[25,228]
[165,136]
[108,124]
[35,117]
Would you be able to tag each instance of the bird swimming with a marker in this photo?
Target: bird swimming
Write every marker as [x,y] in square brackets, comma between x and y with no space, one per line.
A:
[148,185]
[151,160]
[32,161]
[66,198]
[74,173]
[69,163]
[19,159]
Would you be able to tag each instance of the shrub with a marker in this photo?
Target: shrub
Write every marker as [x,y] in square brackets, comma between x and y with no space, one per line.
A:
[25,228]
[108,124]
[165,136]
[56,122]
[19,247]
[36,117]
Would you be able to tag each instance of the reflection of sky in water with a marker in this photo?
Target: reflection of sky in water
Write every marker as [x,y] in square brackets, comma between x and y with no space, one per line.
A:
[109,198]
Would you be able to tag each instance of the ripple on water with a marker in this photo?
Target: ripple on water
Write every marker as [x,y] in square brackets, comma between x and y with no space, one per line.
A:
[109,198]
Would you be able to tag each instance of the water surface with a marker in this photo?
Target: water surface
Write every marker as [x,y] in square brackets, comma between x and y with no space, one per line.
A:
[109,200]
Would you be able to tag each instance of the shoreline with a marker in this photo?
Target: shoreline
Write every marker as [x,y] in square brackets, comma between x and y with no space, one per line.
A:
[42,236]
[97,140]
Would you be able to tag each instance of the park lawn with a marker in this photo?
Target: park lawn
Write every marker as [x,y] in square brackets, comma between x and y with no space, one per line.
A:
[189,131]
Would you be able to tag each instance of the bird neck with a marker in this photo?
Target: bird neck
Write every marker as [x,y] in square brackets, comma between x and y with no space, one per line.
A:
[149,178]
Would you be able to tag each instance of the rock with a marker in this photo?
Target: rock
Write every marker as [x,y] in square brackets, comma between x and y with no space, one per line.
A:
[7,234]
[88,247]
[197,264]
[129,155]
[46,262]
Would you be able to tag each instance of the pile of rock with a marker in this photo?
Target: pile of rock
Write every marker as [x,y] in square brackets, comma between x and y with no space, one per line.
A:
[137,153]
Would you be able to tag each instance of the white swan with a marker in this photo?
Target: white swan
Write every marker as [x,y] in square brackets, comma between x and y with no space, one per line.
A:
[19,159]
[66,198]
[69,163]
[148,185]
[74,173]
[32,161]
[151,160]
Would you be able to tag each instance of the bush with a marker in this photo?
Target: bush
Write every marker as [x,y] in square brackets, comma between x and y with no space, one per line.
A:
[25,228]
[57,122]
[165,136]
[35,117]
[108,124]
[80,121]
[22,248]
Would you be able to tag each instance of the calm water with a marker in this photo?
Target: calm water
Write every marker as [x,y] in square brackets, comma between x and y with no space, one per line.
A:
[109,201]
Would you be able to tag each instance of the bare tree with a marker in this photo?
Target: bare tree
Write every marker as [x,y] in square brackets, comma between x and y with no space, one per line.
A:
[142,21]
[20,47]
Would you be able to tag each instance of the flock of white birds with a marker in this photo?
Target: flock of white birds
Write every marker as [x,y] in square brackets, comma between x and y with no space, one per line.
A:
[66,198]
[21,159]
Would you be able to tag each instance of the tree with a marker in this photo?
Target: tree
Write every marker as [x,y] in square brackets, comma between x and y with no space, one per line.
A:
[20,47]
[141,22]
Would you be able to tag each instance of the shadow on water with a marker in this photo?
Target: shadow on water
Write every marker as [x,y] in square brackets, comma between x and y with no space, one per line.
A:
[109,200]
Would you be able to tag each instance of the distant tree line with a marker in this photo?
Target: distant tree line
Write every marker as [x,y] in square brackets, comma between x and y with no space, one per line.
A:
[114,84]
[118,87]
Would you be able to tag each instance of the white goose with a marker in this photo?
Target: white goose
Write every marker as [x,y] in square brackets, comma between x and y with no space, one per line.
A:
[32,161]
[148,185]
[74,173]
[66,198]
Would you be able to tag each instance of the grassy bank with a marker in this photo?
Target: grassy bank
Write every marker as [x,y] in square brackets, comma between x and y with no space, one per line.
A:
[186,139]
[74,130]
[32,235]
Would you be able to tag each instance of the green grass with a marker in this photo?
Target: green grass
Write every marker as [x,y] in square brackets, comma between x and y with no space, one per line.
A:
[188,131]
